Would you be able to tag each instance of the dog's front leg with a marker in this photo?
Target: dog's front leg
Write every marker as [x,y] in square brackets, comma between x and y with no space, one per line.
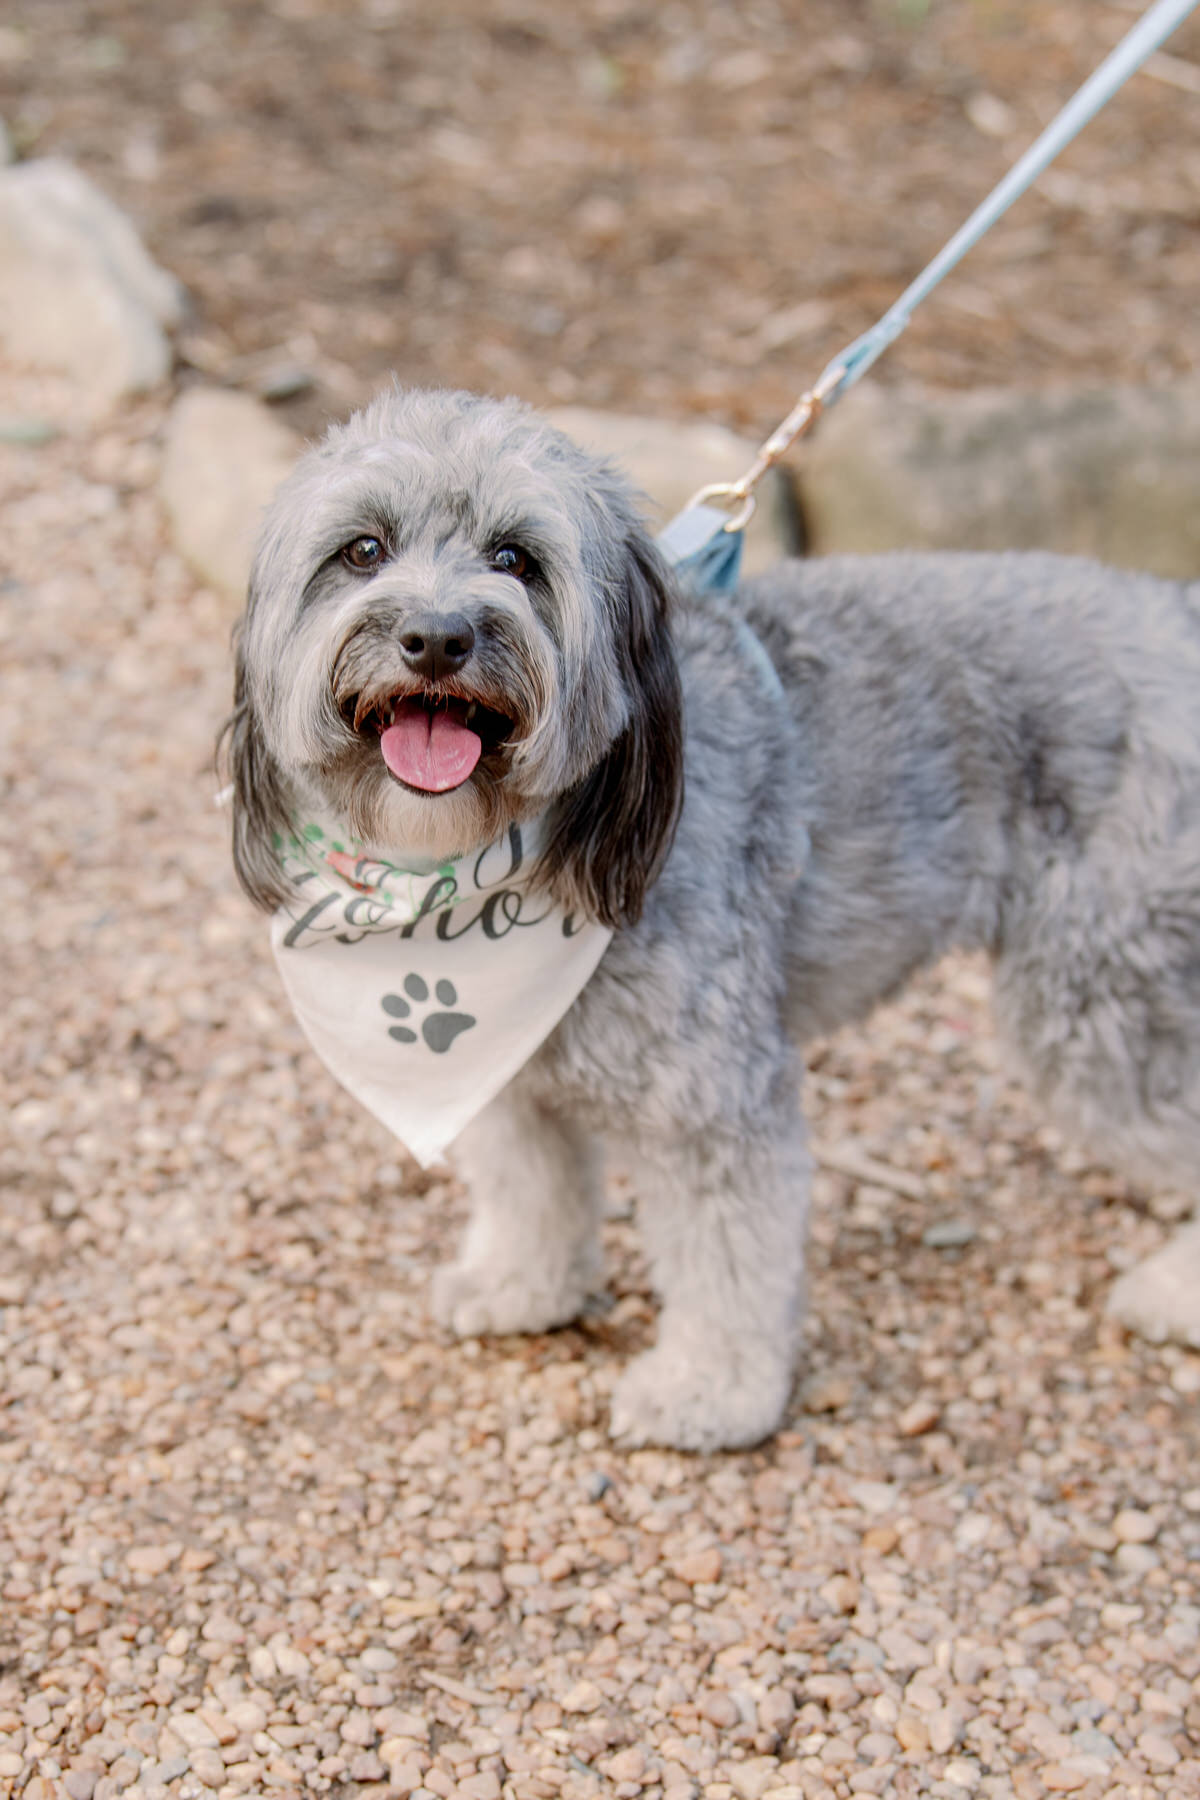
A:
[723,1218]
[531,1254]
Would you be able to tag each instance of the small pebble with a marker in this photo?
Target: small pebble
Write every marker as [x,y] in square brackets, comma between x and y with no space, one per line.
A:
[949,1234]
[702,1566]
[584,1697]
[918,1417]
[945,1729]
[1136,1559]
[827,1393]
[193,1731]
[152,1559]
[283,381]
[842,1593]
[1133,1527]
[752,1779]
[776,1710]
[207,1765]
[1063,1778]
[720,1709]
[1158,1750]
[27,431]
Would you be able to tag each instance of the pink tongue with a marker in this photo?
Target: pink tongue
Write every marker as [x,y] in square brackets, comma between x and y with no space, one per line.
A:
[430,750]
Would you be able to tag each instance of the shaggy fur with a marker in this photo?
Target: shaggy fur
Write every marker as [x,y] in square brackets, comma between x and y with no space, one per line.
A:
[985,751]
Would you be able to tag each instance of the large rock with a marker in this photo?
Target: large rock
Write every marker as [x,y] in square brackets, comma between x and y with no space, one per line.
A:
[78,293]
[225,456]
[223,459]
[1112,473]
[668,462]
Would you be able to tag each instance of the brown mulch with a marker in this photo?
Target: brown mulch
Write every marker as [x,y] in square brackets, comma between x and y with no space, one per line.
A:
[674,209]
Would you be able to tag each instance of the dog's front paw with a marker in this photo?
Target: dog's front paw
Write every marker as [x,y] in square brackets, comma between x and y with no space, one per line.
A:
[1160,1298]
[692,1402]
[479,1302]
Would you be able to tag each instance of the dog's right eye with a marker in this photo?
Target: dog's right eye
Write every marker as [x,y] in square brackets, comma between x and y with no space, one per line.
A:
[364,554]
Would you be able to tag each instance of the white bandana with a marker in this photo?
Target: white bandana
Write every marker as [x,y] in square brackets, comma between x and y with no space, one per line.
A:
[424,993]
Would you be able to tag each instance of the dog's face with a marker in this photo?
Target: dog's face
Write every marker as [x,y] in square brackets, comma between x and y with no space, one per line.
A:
[456,622]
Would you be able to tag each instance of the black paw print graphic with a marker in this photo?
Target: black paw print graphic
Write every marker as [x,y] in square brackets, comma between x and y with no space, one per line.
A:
[439,1029]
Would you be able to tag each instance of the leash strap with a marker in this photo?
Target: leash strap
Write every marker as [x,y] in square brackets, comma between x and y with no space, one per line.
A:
[724,508]
[1151,30]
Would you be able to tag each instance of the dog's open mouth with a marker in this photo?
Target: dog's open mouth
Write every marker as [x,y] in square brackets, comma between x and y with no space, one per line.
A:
[432,743]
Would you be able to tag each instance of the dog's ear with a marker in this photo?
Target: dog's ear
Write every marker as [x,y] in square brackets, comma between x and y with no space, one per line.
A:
[609,836]
[260,814]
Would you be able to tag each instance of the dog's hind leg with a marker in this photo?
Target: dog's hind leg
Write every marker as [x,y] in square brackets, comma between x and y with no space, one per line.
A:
[1098,989]
[531,1254]
[723,1217]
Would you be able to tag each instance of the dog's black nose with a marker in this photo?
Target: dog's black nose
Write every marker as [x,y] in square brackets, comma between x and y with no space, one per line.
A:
[437,644]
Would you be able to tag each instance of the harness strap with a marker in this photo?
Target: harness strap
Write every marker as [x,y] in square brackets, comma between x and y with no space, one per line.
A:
[708,559]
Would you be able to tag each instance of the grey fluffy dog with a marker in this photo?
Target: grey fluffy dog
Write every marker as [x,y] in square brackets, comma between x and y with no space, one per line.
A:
[996,750]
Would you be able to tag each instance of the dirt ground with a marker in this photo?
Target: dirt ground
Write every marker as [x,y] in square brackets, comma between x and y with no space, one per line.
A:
[678,208]
[263,1530]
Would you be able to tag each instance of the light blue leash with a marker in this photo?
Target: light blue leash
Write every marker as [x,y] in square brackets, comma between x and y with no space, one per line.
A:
[703,541]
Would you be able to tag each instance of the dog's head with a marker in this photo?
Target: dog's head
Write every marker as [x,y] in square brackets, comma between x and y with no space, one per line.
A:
[456,621]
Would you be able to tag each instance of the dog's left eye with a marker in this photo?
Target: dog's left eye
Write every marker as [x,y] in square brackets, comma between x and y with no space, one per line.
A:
[510,559]
[364,553]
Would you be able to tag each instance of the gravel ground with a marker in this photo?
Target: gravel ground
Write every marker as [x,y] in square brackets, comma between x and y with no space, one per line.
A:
[264,1531]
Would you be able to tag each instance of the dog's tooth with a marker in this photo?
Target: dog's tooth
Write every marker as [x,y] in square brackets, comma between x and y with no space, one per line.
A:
[472,710]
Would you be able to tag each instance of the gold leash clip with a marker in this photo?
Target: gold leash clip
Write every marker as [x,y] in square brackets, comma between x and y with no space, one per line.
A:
[798,424]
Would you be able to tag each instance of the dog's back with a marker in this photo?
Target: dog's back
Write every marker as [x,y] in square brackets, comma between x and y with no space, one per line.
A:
[1004,751]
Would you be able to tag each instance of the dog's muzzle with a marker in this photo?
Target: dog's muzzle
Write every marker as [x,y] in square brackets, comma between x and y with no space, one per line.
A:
[419,689]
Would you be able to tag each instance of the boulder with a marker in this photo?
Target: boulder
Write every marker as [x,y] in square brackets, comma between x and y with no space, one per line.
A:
[1108,472]
[78,292]
[224,456]
[669,461]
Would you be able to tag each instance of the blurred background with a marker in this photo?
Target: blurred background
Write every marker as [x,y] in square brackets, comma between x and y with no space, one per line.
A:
[678,208]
